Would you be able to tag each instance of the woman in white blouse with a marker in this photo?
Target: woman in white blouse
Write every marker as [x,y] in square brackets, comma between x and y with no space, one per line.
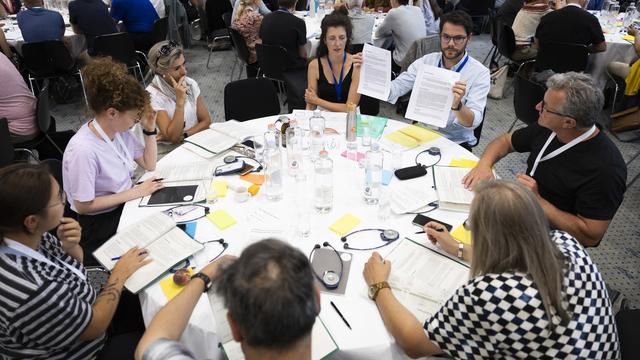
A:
[176,97]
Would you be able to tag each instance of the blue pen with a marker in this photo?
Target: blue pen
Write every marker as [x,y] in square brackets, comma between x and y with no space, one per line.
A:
[118,257]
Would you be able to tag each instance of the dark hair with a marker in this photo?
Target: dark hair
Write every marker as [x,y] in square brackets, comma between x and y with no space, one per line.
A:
[288,4]
[459,18]
[109,84]
[24,190]
[335,19]
[403,2]
[270,294]
[435,8]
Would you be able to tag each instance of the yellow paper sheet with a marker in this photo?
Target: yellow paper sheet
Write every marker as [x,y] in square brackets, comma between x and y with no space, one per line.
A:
[169,288]
[423,135]
[253,178]
[221,219]
[402,139]
[462,235]
[220,188]
[344,224]
[629,38]
[463,163]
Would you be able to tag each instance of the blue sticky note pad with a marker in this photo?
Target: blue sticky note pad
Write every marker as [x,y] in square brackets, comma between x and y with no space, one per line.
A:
[387,175]
[190,229]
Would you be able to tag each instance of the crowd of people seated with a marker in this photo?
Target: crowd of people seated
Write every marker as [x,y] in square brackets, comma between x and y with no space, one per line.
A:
[532,285]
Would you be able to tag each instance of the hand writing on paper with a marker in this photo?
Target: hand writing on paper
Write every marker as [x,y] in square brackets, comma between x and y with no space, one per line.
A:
[310,97]
[130,262]
[528,182]
[476,175]
[459,89]
[376,269]
[438,235]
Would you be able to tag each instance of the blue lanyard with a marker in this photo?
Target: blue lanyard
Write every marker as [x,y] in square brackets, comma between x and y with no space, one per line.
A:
[464,62]
[338,84]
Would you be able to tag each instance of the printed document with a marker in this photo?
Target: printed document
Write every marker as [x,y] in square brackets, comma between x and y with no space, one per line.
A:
[432,97]
[218,138]
[184,172]
[451,193]
[375,73]
[411,195]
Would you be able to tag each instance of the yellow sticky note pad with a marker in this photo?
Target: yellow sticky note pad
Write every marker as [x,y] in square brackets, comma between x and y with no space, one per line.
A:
[423,135]
[253,178]
[169,288]
[220,188]
[463,235]
[344,224]
[463,163]
[402,139]
[221,219]
[629,38]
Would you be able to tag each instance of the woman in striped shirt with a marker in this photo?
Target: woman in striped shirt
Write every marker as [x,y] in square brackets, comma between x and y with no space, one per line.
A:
[48,309]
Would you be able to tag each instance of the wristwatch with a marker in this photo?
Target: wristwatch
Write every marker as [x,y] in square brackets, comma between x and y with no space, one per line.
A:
[149,133]
[460,249]
[457,108]
[375,288]
[185,135]
[205,278]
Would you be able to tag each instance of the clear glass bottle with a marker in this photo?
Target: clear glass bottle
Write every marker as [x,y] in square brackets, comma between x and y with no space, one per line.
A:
[294,148]
[316,126]
[352,145]
[323,187]
[629,15]
[374,161]
[273,173]
[303,206]
[271,138]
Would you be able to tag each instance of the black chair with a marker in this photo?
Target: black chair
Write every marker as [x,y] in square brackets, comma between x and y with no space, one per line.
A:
[526,95]
[295,82]
[478,10]
[272,60]
[47,60]
[121,48]
[562,57]
[226,18]
[159,31]
[477,132]
[264,99]
[7,150]
[219,35]
[369,105]
[495,30]
[242,53]
[507,43]
[628,332]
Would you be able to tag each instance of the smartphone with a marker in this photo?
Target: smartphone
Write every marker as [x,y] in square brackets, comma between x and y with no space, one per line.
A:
[249,144]
[233,168]
[246,169]
[421,220]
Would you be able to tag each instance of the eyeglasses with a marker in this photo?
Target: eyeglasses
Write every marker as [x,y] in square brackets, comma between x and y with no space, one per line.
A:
[445,38]
[63,200]
[187,213]
[166,49]
[542,109]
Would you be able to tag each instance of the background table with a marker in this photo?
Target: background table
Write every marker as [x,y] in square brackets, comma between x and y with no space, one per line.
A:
[369,338]
[618,49]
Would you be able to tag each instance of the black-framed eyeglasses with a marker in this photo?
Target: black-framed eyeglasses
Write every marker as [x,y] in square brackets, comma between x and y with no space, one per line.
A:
[166,49]
[543,109]
[187,213]
[459,39]
[63,200]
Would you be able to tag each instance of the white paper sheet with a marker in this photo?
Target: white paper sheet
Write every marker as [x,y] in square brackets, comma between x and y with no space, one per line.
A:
[410,195]
[449,186]
[184,172]
[375,73]
[431,97]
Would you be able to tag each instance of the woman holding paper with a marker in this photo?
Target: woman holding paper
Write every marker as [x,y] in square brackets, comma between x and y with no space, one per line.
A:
[333,62]
[101,157]
[532,293]
[50,310]
[176,97]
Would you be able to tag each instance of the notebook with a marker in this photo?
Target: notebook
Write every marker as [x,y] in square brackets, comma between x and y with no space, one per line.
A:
[218,138]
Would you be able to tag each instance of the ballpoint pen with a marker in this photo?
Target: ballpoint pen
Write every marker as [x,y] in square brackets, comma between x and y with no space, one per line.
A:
[339,313]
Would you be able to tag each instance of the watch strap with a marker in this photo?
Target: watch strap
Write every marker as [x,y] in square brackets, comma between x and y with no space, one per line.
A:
[149,133]
[205,278]
[379,286]
[457,108]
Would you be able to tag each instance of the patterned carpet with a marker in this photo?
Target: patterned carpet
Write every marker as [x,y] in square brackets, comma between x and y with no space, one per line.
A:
[618,255]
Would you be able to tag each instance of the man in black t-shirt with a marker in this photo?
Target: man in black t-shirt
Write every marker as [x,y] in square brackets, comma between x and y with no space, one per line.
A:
[284,29]
[91,18]
[577,173]
[571,24]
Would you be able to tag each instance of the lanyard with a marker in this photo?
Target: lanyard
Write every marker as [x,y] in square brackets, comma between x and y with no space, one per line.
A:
[559,150]
[284,10]
[126,158]
[462,64]
[18,249]
[338,84]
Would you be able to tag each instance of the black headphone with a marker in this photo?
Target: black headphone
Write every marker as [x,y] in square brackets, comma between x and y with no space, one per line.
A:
[229,159]
[388,236]
[224,244]
[433,151]
[330,279]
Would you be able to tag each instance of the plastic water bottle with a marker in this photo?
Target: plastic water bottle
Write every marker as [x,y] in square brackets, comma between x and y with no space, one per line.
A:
[352,145]
[293,137]
[273,173]
[303,206]
[271,138]
[629,15]
[384,205]
[374,161]
[323,183]
[316,126]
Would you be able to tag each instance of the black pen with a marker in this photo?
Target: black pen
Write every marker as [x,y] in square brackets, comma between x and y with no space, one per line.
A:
[339,313]
[422,231]
[155,180]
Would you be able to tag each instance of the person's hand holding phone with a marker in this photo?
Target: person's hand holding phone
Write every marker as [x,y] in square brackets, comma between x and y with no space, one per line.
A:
[438,234]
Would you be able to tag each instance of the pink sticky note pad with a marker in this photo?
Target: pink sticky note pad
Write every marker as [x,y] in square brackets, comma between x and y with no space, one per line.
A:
[359,157]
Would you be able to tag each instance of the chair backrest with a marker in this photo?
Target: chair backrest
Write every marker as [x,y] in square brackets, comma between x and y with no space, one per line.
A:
[6,146]
[239,45]
[477,132]
[526,95]
[119,46]
[43,111]
[272,60]
[248,99]
[506,40]
[562,57]
[160,30]
[369,105]
[494,26]
[226,17]
[47,58]
[477,7]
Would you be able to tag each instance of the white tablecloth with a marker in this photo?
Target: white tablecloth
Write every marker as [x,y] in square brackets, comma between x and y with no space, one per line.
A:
[369,338]
[618,49]
[75,43]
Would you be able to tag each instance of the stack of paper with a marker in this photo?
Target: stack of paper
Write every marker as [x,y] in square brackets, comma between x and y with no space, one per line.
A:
[218,138]
[451,192]
[411,195]
[410,136]
[184,172]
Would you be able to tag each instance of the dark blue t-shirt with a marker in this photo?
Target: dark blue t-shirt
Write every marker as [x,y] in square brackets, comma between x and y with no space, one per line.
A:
[137,15]
[92,18]
[39,24]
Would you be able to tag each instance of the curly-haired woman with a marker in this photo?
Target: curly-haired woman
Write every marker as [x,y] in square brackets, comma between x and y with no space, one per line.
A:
[100,159]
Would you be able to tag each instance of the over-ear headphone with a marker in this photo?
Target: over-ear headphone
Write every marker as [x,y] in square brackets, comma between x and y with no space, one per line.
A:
[330,279]
[224,245]
[433,151]
[388,236]
[229,159]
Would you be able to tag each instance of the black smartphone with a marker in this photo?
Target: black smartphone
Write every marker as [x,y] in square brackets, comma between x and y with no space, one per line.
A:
[248,143]
[421,220]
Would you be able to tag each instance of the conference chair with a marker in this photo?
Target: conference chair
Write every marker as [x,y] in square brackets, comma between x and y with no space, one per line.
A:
[477,132]
[242,53]
[7,150]
[478,10]
[494,28]
[507,43]
[219,35]
[369,105]
[121,48]
[562,57]
[159,30]
[262,97]
[526,95]
[49,60]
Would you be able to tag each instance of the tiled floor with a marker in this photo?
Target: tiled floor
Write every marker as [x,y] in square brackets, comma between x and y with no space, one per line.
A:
[618,256]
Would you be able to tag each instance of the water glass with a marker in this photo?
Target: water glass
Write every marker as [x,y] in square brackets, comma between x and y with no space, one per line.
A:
[366,133]
[258,147]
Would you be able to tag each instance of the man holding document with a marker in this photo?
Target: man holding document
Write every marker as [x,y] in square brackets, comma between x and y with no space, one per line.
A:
[449,88]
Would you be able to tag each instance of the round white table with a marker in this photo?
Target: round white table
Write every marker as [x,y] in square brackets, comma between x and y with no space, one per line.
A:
[618,49]
[369,338]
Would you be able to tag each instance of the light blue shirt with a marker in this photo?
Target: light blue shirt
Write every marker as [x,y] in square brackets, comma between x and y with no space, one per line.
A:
[473,73]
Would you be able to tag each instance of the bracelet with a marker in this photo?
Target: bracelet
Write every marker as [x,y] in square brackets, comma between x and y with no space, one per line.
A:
[149,133]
